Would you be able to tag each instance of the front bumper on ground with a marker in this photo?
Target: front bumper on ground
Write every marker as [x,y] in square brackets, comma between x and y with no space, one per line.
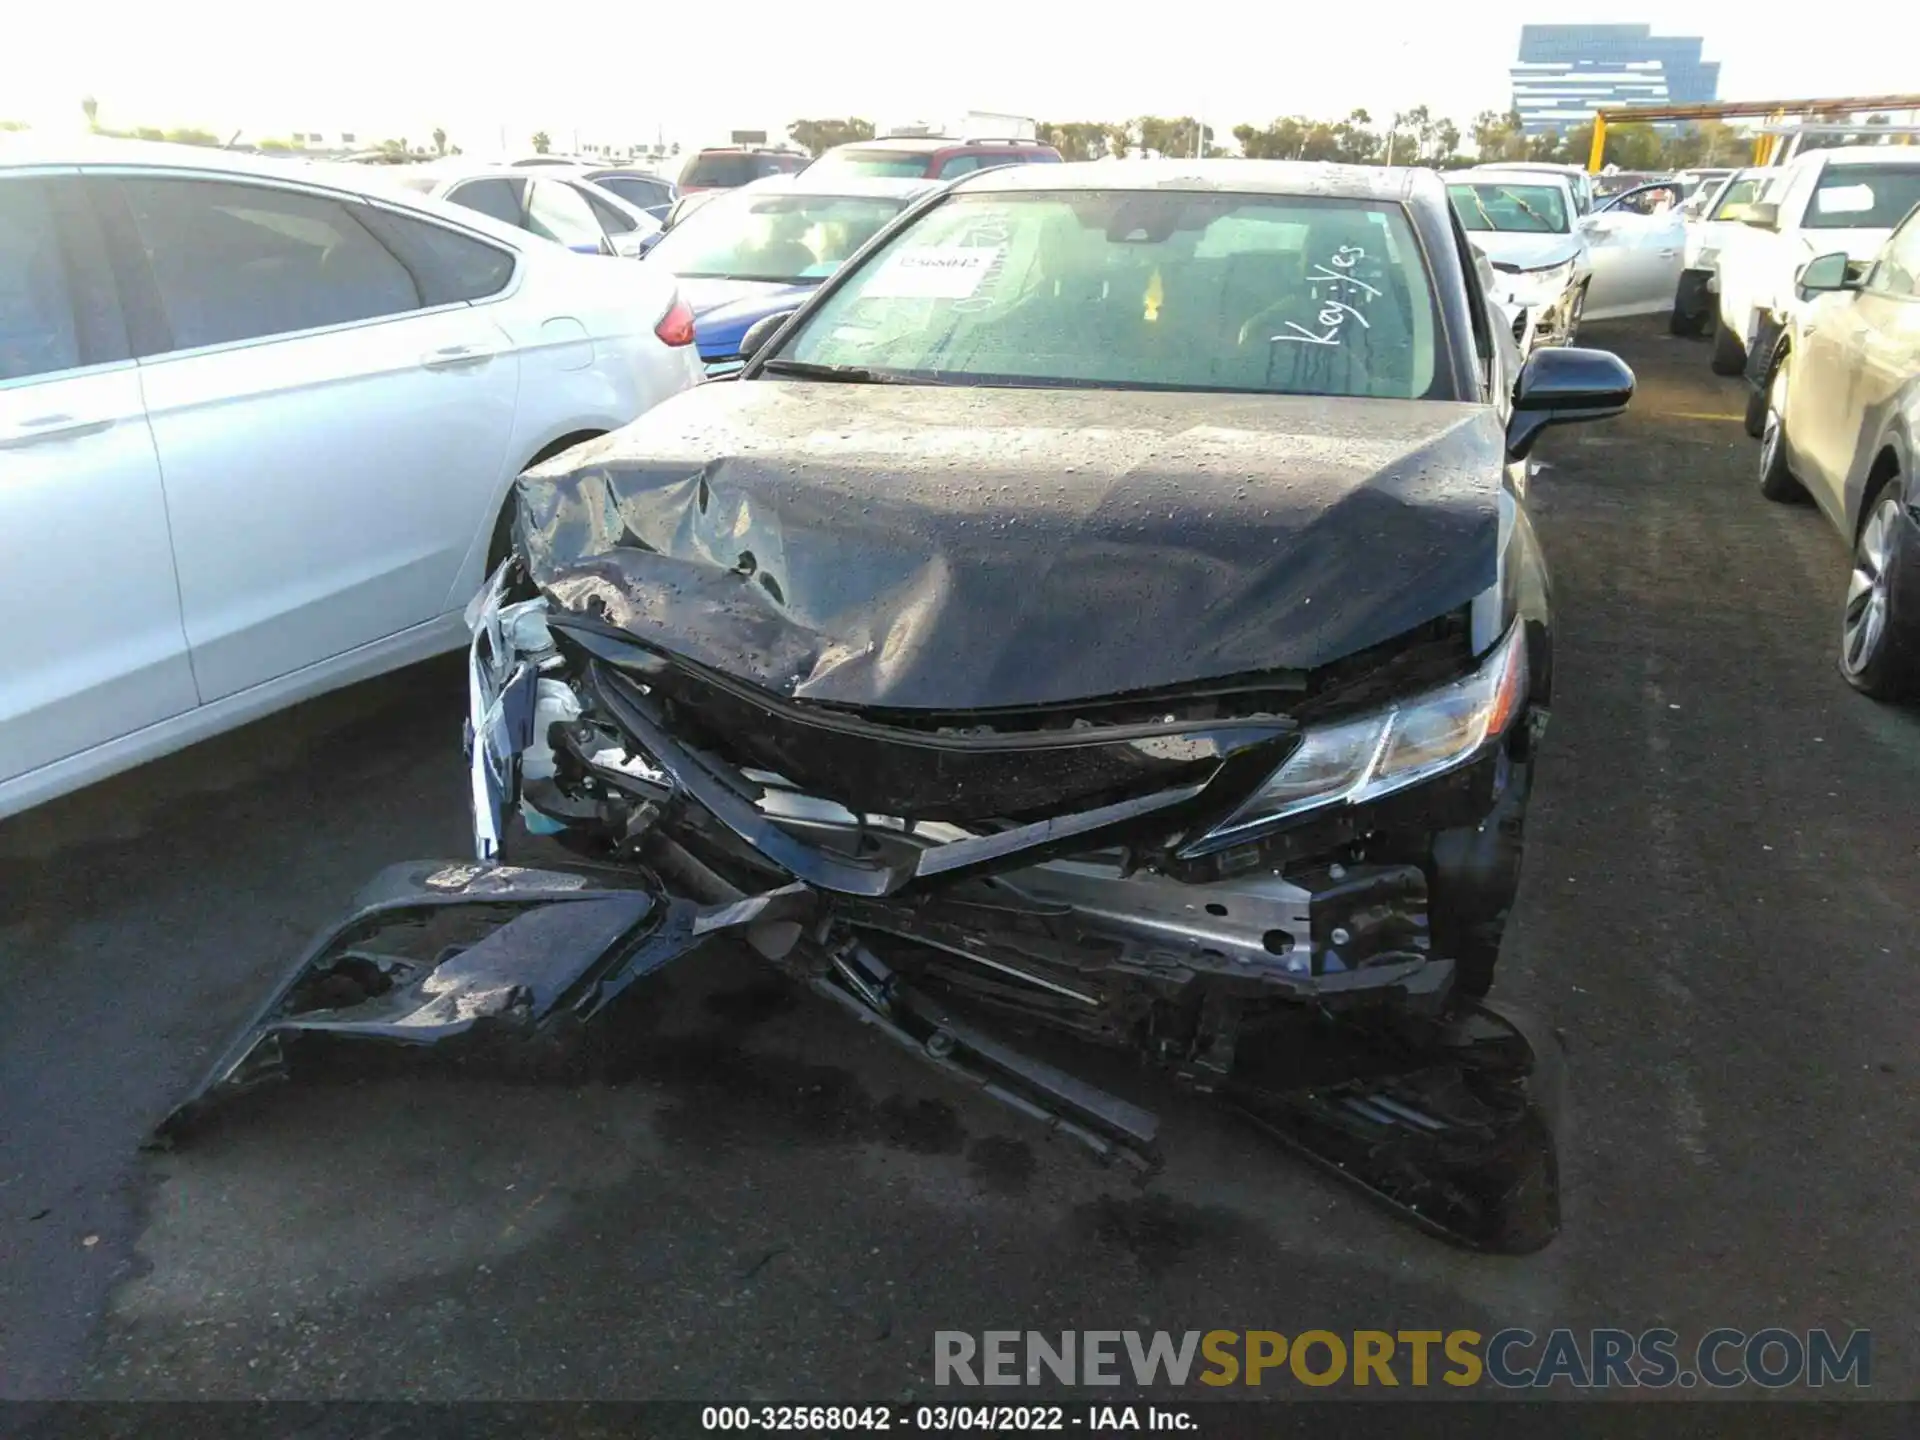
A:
[1305,992]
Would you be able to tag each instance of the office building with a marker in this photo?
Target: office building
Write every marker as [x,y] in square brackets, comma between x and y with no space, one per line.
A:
[1566,72]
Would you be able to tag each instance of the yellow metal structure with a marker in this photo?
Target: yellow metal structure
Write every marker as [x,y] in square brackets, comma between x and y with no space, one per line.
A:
[1765,147]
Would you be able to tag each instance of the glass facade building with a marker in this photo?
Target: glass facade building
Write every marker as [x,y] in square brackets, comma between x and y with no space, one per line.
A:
[1566,72]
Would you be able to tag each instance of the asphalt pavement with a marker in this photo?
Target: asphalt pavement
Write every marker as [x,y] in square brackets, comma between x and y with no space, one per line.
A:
[1719,916]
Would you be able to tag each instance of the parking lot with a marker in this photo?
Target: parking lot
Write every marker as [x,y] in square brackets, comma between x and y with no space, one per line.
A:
[1718,917]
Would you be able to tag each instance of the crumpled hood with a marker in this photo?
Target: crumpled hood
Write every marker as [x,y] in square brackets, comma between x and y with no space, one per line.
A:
[930,548]
[1529,252]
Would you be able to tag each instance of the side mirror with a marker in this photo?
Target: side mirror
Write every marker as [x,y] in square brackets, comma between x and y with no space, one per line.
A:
[1559,386]
[1763,215]
[758,333]
[1826,273]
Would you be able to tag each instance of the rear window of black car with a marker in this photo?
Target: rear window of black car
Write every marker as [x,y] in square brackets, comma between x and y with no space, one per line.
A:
[734,168]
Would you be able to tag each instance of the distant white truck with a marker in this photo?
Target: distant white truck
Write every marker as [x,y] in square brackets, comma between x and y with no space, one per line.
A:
[1820,202]
[974,125]
[1713,212]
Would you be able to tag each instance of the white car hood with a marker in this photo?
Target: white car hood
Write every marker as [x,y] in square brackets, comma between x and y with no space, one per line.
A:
[1528,252]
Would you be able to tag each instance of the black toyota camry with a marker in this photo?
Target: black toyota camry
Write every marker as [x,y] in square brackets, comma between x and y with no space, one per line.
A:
[1104,615]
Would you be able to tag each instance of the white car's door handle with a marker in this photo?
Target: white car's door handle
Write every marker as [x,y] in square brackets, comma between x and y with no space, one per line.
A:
[450,357]
[44,429]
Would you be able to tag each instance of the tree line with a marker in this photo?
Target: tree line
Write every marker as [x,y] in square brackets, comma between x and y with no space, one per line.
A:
[1407,137]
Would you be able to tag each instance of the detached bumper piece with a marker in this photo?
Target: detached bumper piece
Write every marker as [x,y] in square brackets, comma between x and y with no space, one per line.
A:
[1452,1129]
[492,964]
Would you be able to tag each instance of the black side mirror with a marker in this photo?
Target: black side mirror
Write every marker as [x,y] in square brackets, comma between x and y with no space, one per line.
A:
[1827,272]
[1559,386]
[758,333]
[1763,215]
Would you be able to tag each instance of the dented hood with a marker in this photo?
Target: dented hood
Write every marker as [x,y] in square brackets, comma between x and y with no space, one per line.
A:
[926,547]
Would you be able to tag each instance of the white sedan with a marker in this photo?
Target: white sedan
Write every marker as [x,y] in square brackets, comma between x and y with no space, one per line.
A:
[1526,223]
[257,429]
[558,204]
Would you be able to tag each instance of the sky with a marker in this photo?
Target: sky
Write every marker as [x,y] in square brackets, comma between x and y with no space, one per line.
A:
[620,73]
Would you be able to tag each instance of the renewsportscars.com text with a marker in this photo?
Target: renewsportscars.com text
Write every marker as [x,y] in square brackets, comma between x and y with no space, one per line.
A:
[1512,1359]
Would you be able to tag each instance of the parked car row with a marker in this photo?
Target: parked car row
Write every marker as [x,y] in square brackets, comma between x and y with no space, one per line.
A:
[1836,404]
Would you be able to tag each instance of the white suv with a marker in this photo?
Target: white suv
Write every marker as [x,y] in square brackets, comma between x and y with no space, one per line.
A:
[1820,202]
[257,429]
[1714,211]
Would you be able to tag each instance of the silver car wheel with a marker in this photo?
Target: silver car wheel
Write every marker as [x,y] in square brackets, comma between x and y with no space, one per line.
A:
[1865,620]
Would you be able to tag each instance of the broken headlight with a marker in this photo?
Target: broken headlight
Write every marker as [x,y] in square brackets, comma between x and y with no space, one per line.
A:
[1542,286]
[1355,761]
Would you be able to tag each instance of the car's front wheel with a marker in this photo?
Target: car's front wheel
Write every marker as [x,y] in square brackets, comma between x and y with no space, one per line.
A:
[1691,305]
[1777,480]
[1876,634]
[1575,309]
[1729,350]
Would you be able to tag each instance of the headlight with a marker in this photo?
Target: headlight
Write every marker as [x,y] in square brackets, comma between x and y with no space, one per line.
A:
[1550,279]
[1355,761]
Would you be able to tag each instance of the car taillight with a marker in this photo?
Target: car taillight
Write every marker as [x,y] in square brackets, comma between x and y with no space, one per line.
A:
[676,326]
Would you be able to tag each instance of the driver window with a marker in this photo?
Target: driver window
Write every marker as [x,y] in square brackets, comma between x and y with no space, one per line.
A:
[1653,201]
[557,212]
[240,262]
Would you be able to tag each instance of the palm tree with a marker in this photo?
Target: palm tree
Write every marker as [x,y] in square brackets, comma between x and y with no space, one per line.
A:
[92,107]
[439,140]
[541,142]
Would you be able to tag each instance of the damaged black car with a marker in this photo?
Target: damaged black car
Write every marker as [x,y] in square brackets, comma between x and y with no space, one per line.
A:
[1103,618]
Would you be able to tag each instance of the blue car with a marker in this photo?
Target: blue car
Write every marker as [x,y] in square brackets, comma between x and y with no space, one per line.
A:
[763,248]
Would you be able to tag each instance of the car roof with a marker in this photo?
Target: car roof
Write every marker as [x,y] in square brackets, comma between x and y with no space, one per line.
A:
[449,170]
[1558,166]
[880,187]
[370,182]
[1515,172]
[1867,155]
[1228,177]
[927,144]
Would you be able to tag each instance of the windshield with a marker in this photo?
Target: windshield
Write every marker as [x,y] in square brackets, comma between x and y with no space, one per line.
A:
[1536,209]
[1863,197]
[1738,195]
[1140,289]
[754,236]
[900,165]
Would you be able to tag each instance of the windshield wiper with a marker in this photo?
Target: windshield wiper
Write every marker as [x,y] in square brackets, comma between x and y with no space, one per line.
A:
[851,374]
[1528,208]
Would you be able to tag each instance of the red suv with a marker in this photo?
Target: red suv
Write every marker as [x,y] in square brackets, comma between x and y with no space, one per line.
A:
[731,167]
[931,157]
